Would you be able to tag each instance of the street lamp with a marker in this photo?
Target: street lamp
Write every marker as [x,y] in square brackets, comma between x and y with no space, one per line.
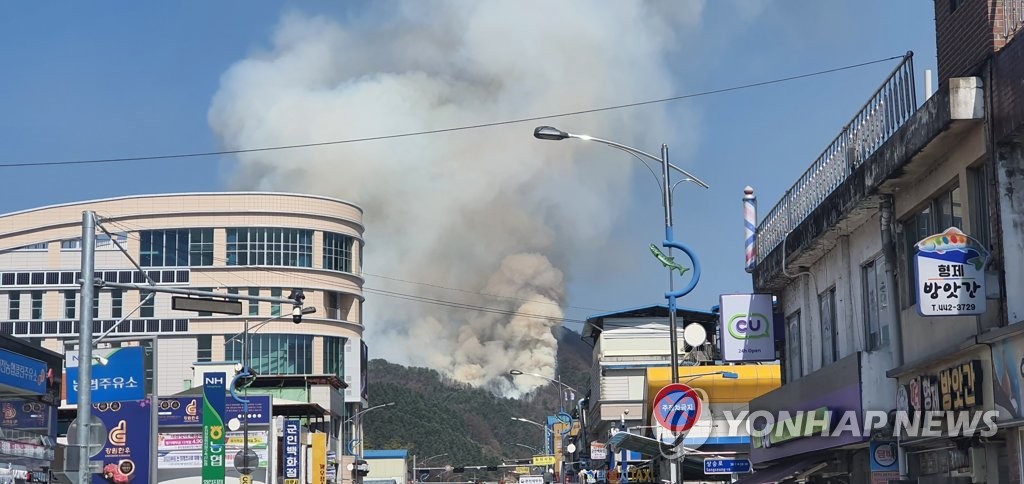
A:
[247,461]
[344,445]
[424,461]
[532,449]
[725,374]
[546,431]
[555,381]
[554,134]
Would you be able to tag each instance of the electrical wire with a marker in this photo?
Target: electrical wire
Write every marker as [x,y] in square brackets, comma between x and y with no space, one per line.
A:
[444,130]
[411,297]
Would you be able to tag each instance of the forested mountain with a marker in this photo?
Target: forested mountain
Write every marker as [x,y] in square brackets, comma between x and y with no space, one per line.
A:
[434,415]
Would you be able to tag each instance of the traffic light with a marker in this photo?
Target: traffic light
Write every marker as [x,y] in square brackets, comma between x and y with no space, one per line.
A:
[492,468]
[458,470]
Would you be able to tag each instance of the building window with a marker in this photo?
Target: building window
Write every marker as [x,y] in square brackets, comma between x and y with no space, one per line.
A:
[95,304]
[876,305]
[116,302]
[176,248]
[794,363]
[978,193]
[337,252]
[270,247]
[14,305]
[37,304]
[940,213]
[829,335]
[254,306]
[148,309]
[205,352]
[275,308]
[275,354]
[200,247]
[69,304]
[334,356]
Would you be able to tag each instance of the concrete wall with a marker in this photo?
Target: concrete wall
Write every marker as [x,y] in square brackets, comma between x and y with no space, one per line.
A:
[388,469]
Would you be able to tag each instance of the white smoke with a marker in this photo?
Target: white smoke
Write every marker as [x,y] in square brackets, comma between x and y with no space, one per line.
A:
[487,210]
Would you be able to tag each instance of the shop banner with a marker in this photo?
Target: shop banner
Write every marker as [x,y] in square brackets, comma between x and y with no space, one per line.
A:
[24,414]
[22,373]
[214,386]
[121,378]
[950,270]
[184,411]
[126,454]
[318,472]
[291,452]
[746,327]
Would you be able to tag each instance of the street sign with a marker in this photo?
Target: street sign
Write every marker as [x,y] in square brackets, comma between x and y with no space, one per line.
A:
[531,479]
[598,451]
[726,466]
[677,407]
[544,460]
[209,305]
[520,470]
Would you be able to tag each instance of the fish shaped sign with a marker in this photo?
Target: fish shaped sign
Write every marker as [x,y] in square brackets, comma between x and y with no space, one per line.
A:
[950,273]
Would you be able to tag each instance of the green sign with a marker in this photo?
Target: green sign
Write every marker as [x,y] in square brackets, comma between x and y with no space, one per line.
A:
[214,386]
[801,425]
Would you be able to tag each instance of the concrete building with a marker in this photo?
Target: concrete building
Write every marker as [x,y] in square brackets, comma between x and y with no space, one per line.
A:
[387,466]
[865,327]
[247,243]
[632,363]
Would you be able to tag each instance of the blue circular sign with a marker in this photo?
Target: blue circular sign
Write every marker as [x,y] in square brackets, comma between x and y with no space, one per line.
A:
[677,407]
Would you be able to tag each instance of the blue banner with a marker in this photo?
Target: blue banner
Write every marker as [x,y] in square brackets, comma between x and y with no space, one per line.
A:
[120,377]
[291,452]
[25,414]
[884,456]
[187,411]
[126,455]
[726,466]
[22,373]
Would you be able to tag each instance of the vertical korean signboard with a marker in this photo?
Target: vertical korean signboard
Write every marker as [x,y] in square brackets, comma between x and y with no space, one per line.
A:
[318,470]
[950,270]
[746,327]
[214,386]
[291,452]
[128,448]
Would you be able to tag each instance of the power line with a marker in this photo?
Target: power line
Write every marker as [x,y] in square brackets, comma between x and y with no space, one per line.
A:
[443,130]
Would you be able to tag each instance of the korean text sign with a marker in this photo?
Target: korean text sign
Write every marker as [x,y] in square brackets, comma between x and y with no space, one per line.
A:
[120,378]
[950,270]
[22,373]
[291,452]
[214,385]
[126,455]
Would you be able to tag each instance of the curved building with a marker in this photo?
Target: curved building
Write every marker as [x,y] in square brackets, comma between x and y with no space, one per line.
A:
[246,243]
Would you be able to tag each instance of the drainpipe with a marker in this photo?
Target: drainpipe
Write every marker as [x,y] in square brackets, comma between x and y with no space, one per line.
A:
[893,311]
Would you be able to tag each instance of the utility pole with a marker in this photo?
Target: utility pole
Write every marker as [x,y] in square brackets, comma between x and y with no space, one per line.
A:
[88,285]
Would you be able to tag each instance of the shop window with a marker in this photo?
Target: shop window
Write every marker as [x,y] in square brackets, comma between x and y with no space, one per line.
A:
[876,305]
[938,214]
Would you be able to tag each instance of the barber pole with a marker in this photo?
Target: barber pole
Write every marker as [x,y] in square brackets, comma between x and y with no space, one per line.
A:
[750,226]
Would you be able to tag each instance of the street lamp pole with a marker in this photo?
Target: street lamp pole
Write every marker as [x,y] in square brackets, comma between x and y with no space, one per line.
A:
[88,288]
[551,133]
[353,417]
[547,447]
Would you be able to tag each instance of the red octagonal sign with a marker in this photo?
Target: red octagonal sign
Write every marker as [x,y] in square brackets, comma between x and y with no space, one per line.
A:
[677,407]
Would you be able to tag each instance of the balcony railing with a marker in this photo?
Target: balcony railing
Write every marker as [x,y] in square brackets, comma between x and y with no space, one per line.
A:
[890,106]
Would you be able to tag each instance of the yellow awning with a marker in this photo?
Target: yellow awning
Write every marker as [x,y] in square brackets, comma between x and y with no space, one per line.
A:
[753,381]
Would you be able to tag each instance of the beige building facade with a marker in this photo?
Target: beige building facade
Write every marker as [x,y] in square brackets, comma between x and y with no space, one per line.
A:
[247,243]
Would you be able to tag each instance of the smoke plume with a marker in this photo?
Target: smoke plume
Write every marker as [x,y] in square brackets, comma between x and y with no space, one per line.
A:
[490,216]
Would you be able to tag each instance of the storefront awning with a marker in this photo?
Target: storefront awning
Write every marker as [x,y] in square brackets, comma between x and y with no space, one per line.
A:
[781,472]
[751,381]
[639,443]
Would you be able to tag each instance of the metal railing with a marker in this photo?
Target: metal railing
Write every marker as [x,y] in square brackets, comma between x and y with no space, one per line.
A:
[1013,17]
[884,113]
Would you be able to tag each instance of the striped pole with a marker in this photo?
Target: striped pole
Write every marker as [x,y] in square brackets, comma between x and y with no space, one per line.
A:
[750,226]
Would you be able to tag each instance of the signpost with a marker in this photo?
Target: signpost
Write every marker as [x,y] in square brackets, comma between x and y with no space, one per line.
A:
[726,466]
[677,407]
[291,452]
[118,377]
[543,460]
[214,387]
[950,270]
[126,454]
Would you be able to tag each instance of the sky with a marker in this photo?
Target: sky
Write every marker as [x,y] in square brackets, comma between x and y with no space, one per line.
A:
[87,81]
